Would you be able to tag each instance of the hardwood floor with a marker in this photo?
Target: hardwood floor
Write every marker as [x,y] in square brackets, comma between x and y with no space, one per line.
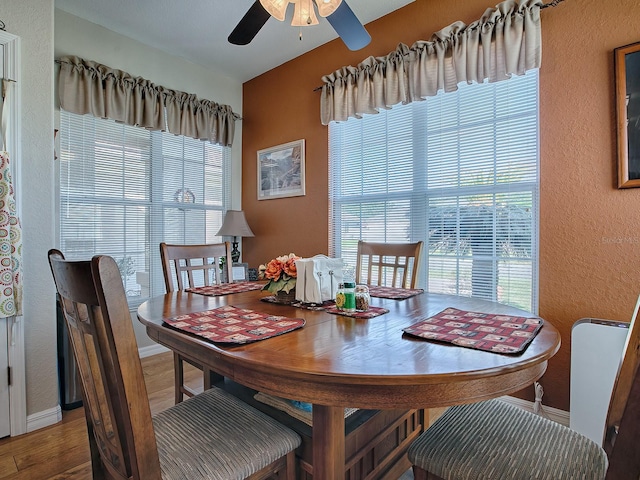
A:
[61,451]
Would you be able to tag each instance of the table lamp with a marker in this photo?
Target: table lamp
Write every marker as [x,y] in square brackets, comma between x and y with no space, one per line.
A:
[235,225]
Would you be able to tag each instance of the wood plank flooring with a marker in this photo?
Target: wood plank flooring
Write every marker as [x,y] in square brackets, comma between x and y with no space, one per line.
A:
[61,451]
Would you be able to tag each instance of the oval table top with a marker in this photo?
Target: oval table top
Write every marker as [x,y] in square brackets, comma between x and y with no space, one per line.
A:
[364,363]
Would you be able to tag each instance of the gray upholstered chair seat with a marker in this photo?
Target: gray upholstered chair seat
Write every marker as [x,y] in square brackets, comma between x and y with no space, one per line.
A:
[495,440]
[236,440]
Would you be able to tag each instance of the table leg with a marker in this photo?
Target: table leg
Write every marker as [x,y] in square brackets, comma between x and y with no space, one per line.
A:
[328,443]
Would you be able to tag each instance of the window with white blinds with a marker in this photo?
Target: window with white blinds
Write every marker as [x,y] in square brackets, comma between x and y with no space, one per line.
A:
[458,171]
[124,189]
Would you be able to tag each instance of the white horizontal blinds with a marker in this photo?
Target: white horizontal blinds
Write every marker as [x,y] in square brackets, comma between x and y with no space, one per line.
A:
[371,188]
[125,189]
[104,198]
[482,181]
[458,171]
[194,189]
[195,193]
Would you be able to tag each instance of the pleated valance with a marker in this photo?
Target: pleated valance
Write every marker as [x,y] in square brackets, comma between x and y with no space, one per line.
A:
[89,87]
[506,41]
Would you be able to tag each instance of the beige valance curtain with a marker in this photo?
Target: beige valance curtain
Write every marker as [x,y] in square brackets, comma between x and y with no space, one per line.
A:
[89,87]
[507,40]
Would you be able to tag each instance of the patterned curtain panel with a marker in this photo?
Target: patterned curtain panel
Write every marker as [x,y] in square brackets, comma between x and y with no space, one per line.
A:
[506,41]
[10,230]
[104,92]
[10,245]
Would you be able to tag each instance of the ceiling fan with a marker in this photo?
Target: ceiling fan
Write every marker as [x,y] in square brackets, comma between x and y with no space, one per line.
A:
[337,12]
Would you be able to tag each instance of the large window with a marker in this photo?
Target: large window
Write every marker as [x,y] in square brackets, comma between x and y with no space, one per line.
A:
[458,171]
[124,189]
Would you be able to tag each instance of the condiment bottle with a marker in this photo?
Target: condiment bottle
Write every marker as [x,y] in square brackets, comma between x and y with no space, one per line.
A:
[340,297]
[363,299]
[349,297]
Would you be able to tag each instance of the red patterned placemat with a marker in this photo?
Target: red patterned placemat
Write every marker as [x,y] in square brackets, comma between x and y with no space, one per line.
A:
[482,331]
[370,313]
[230,324]
[226,288]
[393,293]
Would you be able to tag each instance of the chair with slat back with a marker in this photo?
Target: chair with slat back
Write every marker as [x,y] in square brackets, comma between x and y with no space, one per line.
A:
[193,266]
[492,439]
[399,262]
[210,436]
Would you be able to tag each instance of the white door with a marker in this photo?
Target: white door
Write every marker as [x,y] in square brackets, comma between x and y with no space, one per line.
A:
[5,417]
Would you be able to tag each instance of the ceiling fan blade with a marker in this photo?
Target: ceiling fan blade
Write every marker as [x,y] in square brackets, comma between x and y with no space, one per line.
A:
[347,25]
[249,26]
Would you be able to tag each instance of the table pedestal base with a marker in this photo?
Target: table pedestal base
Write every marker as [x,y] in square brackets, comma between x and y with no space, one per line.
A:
[375,441]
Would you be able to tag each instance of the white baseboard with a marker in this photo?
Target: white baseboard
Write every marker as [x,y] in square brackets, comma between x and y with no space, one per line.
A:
[151,350]
[44,418]
[554,414]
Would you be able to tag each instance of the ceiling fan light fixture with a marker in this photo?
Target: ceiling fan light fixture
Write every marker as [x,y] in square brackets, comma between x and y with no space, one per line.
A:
[276,8]
[327,7]
[304,14]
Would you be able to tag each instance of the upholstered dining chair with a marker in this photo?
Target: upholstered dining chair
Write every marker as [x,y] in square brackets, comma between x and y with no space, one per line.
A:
[492,439]
[213,435]
[388,264]
[192,266]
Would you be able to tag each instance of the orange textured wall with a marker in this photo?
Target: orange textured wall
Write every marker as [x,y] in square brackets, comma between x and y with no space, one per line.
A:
[589,239]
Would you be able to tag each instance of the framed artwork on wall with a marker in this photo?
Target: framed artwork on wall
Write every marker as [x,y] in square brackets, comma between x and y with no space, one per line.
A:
[281,171]
[240,272]
[627,76]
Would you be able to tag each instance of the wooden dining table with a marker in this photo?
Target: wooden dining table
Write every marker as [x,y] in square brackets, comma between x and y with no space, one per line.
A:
[336,361]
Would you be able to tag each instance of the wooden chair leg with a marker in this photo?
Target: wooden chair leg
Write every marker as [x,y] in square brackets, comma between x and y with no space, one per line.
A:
[96,462]
[178,373]
[288,472]
[291,466]
[420,474]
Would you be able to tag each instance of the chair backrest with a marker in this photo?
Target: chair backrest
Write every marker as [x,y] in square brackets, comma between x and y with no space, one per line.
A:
[388,264]
[622,433]
[115,397]
[187,259]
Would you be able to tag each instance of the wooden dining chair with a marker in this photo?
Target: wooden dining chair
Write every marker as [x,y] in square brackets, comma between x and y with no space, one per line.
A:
[492,439]
[210,436]
[376,263]
[193,266]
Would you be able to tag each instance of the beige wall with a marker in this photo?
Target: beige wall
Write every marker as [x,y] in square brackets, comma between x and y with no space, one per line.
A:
[589,240]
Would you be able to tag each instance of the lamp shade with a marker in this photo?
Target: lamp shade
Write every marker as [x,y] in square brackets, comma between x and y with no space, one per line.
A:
[235,225]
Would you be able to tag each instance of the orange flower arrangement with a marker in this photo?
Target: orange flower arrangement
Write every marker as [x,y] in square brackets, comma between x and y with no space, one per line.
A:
[281,273]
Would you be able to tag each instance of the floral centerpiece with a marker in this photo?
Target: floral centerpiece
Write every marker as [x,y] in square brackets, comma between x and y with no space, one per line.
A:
[281,274]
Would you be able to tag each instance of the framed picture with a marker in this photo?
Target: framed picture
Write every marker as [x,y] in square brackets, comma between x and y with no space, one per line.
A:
[281,171]
[627,75]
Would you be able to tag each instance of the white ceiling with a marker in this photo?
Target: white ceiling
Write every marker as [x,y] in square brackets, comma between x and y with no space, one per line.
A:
[198,29]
